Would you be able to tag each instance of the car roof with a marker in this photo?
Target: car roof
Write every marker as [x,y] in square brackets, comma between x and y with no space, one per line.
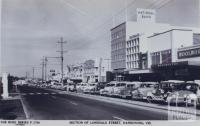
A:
[193,82]
[149,82]
[173,81]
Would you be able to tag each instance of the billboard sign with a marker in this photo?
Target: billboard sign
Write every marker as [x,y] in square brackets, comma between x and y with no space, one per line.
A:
[146,15]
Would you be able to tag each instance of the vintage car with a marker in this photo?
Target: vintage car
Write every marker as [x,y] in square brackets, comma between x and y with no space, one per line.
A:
[141,92]
[186,93]
[100,85]
[90,88]
[80,87]
[162,91]
[126,92]
[117,88]
[71,87]
[108,90]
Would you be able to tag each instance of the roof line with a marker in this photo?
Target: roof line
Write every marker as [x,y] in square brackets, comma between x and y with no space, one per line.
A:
[169,31]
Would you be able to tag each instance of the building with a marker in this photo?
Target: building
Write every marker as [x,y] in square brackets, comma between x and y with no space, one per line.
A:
[129,46]
[90,71]
[137,47]
[95,71]
[175,54]
[75,73]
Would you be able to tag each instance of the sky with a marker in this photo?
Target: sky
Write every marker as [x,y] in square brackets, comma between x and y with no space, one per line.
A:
[30,29]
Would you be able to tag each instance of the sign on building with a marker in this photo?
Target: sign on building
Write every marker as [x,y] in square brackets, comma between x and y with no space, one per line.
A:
[146,15]
[189,53]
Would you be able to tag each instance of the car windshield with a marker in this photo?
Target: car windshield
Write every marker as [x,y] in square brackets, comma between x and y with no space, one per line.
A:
[130,85]
[190,87]
[147,85]
[120,85]
[111,85]
[170,86]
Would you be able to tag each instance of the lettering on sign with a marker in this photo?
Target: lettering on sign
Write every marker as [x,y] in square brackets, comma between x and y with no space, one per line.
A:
[189,53]
[145,15]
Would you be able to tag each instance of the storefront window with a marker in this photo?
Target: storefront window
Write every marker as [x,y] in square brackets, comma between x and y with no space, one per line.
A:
[166,56]
[155,57]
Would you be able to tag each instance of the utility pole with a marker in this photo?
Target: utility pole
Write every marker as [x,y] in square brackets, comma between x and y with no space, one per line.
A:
[43,69]
[61,42]
[100,64]
[26,75]
[33,72]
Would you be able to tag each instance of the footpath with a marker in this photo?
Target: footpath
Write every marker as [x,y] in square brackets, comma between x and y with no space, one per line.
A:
[11,108]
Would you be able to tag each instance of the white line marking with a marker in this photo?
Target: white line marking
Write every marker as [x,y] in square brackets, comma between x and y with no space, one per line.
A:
[115,117]
[45,93]
[73,103]
[31,93]
[53,93]
[25,109]
[39,93]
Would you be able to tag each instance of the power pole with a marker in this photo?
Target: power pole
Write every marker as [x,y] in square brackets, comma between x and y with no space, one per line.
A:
[100,65]
[26,75]
[61,42]
[45,68]
[33,73]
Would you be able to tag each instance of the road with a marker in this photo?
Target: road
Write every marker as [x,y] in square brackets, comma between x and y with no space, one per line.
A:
[43,104]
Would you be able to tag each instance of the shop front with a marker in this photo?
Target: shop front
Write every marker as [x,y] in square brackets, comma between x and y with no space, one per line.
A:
[184,70]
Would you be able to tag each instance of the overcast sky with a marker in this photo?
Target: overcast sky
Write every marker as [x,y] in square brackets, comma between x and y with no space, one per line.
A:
[31,28]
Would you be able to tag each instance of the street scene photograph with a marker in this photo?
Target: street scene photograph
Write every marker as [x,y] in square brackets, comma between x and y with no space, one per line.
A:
[116,60]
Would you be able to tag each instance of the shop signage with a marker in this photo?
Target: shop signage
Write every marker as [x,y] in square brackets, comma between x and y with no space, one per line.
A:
[145,15]
[189,53]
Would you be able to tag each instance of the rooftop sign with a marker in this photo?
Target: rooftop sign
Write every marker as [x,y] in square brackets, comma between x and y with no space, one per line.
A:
[146,15]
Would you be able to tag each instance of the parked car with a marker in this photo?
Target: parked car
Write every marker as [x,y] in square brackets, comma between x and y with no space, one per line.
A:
[186,93]
[80,87]
[141,92]
[117,88]
[109,88]
[71,87]
[126,92]
[90,88]
[162,91]
[100,85]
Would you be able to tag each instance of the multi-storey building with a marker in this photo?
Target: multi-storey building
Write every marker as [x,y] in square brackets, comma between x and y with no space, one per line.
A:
[174,54]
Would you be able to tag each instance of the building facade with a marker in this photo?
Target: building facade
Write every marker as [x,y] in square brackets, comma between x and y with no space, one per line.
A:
[173,54]
[90,71]
[138,48]
[118,47]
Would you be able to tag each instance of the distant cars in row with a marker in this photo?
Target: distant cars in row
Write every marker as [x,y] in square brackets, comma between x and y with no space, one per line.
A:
[171,91]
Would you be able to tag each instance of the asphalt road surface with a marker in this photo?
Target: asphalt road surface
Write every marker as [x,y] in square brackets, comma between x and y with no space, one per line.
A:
[43,104]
